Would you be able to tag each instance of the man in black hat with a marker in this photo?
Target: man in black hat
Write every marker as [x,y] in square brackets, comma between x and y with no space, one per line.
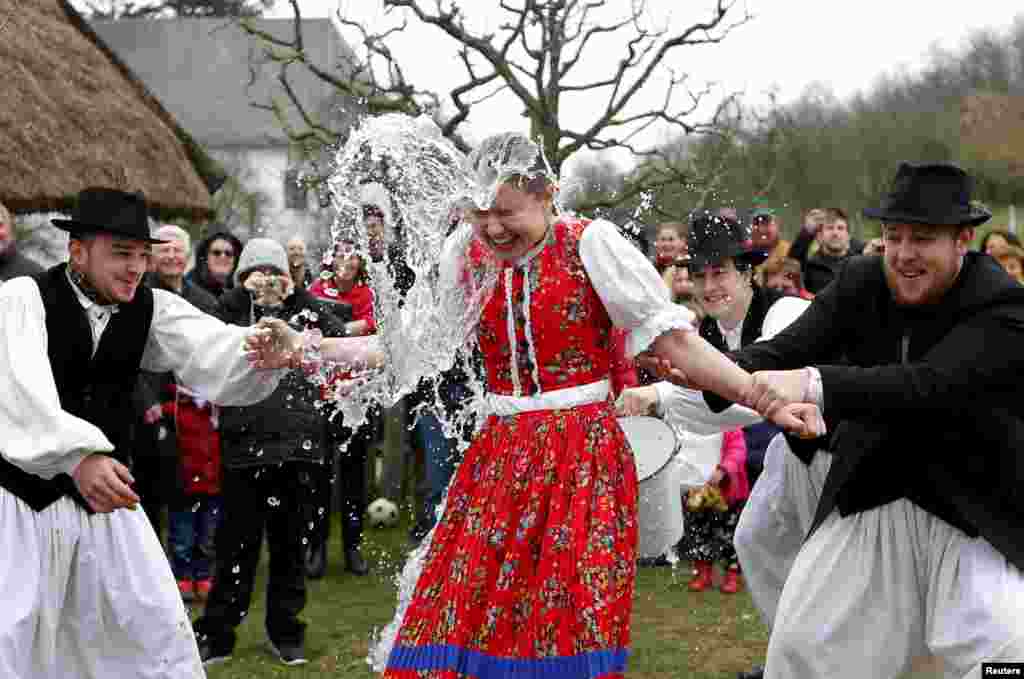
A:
[782,501]
[916,545]
[86,585]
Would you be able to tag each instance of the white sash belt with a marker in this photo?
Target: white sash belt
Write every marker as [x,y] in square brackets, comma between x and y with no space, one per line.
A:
[557,399]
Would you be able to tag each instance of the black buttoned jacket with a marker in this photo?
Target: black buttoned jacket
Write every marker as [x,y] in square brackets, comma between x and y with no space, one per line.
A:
[931,402]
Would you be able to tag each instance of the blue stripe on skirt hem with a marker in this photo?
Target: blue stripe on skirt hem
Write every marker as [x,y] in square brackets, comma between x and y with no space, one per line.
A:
[592,665]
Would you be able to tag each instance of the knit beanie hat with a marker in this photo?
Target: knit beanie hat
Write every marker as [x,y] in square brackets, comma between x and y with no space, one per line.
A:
[261,252]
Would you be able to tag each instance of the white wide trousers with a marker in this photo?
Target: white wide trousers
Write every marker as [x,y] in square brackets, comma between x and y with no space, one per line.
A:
[871,591]
[775,521]
[88,597]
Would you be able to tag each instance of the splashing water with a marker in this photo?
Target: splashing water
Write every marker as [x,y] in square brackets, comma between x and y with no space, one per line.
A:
[425,311]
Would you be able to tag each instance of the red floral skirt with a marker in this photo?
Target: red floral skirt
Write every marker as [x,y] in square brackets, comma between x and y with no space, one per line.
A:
[531,569]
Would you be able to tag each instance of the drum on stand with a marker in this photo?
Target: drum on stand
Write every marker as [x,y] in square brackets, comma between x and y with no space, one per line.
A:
[659,506]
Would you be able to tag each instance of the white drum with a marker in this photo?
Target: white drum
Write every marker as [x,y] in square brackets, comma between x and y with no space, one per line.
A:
[659,506]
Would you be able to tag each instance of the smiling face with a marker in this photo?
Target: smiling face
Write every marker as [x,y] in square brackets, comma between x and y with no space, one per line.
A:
[719,287]
[668,245]
[347,265]
[170,258]
[515,223]
[220,258]
[112,265]
[922,262]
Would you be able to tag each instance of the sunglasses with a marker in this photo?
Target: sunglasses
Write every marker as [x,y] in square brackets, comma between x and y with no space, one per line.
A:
[222,253]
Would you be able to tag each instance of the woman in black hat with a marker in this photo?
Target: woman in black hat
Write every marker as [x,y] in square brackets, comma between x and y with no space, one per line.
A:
[86,586]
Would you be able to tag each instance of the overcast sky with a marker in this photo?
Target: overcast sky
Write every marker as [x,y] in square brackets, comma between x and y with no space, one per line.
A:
[786,47]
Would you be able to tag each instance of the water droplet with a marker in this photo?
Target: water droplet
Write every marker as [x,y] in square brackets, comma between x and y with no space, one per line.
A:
[273,501]
[307,445]
[237,569]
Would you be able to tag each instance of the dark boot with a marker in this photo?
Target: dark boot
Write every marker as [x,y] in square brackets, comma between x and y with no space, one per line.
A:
[756,672]
[315,562]
[355,563]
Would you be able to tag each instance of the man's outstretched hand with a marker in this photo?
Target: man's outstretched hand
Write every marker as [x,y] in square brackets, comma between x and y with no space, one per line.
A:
[272,344]
[802,419]
[104,483]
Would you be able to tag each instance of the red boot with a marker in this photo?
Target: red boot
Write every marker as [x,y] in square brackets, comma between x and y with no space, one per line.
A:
[731,583]
[701,576]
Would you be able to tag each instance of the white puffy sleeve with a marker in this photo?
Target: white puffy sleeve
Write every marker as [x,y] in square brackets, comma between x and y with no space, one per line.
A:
[686,409]
[635,296]
[204,353]
[35,433]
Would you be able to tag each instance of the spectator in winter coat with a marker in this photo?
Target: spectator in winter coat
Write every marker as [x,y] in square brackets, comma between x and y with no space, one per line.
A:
[298,268]
[344,282]
[195,515]
[834,247]
[712,513]
[216,261]
[11,263]
[786,276]
[765,233]
[271,454]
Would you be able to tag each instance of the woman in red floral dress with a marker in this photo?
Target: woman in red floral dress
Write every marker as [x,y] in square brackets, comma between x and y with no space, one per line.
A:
[530,571]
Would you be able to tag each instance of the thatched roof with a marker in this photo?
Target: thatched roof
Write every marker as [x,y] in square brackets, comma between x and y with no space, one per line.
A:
[73,115]
[992,131]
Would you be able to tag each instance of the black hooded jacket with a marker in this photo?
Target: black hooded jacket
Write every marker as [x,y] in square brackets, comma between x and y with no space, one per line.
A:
[286,426]
[200,274]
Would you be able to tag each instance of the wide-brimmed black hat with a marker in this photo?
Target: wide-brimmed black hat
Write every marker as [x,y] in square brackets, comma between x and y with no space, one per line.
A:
[714,238]
[930,193]
[99,210]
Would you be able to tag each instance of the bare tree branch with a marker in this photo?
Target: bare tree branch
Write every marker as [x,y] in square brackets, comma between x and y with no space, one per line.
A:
[532,54]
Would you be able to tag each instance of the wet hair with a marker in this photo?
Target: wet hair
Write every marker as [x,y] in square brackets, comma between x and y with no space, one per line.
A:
[534,185]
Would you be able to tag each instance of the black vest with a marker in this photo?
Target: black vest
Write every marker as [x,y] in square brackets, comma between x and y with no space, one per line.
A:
[757,436]
[760,303]
[97,389]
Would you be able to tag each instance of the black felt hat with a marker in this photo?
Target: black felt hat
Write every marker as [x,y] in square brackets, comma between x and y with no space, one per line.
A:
[99,210]
[714,238]
[931,193]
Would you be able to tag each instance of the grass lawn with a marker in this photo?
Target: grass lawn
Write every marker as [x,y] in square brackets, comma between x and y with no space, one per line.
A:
[676,634]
